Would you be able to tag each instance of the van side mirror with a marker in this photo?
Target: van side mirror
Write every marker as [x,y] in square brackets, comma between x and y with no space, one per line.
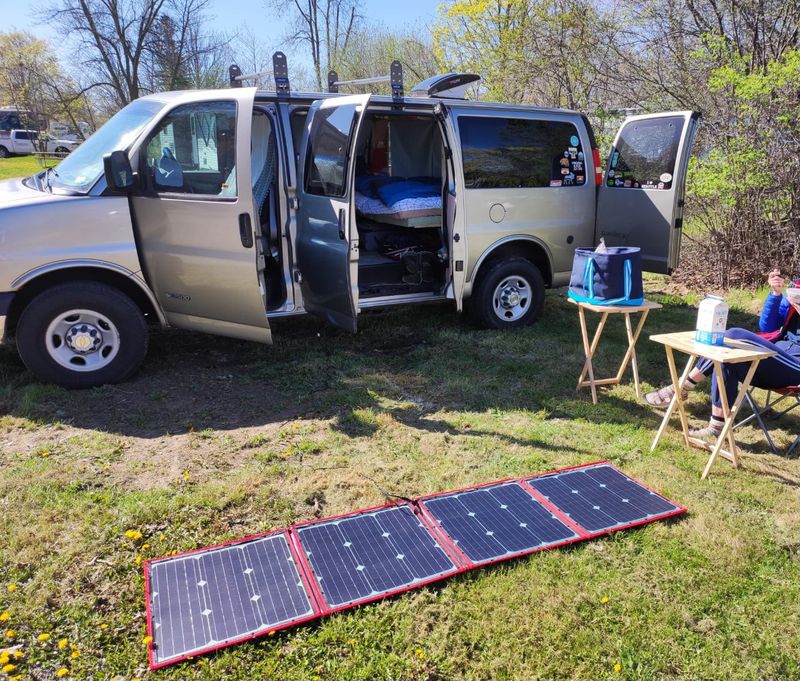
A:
[118,171]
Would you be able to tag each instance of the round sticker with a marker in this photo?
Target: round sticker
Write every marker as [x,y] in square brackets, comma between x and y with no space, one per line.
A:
[574,140]
[665,177]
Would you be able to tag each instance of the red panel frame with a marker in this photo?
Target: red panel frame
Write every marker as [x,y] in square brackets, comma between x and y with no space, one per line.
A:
[459,559]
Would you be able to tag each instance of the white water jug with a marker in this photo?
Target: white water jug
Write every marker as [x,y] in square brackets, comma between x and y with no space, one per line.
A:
[712,319]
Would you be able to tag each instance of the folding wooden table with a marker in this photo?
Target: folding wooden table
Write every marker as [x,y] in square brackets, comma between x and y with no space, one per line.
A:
[733,352]
[590,348]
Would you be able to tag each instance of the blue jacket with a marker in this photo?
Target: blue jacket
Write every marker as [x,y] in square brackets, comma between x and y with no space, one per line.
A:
[774,314]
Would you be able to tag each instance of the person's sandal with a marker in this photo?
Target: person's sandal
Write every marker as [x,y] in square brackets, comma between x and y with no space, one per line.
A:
[663,396]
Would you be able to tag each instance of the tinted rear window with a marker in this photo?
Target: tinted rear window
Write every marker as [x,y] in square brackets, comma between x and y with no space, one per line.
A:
[645,154]
[520,152]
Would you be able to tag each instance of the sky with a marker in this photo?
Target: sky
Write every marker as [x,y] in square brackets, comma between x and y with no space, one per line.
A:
[229,15]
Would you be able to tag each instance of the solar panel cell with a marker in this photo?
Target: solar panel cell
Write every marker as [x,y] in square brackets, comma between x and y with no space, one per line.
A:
[601,498]
[497,522]
[360,557]
[202,599]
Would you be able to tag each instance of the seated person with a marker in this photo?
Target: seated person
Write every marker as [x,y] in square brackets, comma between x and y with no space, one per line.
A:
[779,321]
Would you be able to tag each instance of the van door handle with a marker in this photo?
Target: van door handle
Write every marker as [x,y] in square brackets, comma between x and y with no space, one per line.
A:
[341,224]
[245,230]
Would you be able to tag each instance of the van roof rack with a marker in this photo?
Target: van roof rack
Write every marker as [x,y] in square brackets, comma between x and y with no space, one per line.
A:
[280,72]
[395,79]
[445,85]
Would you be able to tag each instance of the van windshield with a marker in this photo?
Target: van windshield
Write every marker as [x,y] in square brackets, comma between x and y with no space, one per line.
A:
[80,170]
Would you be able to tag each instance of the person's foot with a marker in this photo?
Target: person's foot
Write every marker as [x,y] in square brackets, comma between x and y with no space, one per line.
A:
[663,396]
[711,431]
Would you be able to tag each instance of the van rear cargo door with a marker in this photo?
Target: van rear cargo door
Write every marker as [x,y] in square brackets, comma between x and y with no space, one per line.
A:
[640,202]
[327,240]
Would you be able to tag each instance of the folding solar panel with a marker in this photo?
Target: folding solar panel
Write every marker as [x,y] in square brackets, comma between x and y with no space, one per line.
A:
[498,521]
[601,498]
[214,597]
[203,600]
[367,555]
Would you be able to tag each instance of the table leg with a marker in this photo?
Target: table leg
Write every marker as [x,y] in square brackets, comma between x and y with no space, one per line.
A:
[630,354]
[675,399]
[731,415]
[590,349]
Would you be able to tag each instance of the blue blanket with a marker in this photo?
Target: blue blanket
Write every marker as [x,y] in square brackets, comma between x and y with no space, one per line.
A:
[407,189]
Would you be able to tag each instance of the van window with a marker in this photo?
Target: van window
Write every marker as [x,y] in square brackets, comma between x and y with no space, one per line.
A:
[328,144]
[645,154]
[193,150]
[23,135]
[520,152]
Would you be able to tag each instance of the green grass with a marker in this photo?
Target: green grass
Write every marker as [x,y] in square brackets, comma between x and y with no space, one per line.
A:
[216,439]
[19,166]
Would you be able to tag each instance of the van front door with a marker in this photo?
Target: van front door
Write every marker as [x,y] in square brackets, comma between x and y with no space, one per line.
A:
[327,240]
[196,221]
[640,202]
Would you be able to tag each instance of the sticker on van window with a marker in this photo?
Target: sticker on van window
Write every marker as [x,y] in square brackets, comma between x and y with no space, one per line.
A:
[555,183]
[665,177]
[574,140]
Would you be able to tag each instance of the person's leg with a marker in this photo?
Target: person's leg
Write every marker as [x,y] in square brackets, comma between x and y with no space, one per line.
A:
[774,372]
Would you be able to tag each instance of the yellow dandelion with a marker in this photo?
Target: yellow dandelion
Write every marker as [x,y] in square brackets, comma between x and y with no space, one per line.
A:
[618,667]
[186,475]
[18,654]
[138,560]
[295,426]
[161,537]
[104,626]
[419,653]
[75,654]
[145,547]
[133,534]
[43,637]
[8,668]
[10,633]
[63,643]
[12,587]
[17,677]
[4,658]
[61,673]
[352,642]
[5,616]
[147,640]
[604,599]
[45,454]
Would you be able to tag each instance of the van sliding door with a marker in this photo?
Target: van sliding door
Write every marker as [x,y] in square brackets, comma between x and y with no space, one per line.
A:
[640,202]
[327,241]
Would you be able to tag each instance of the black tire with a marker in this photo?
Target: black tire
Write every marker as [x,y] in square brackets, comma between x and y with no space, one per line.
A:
[62,150]
[113,305]
[482,302]
[4,153]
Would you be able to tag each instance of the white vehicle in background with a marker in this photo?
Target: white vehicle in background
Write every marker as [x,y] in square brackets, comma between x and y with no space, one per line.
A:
[60,145]
[18,143]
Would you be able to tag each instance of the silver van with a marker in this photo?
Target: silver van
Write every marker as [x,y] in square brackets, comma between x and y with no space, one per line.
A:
[219,210]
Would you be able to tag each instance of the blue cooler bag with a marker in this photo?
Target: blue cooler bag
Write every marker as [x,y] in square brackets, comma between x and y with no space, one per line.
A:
[611,278]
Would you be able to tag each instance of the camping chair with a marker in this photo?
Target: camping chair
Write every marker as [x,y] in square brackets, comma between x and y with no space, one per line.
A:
[790,394]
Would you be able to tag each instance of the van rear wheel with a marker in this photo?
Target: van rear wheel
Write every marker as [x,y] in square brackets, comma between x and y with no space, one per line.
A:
[509,295]
[82,335]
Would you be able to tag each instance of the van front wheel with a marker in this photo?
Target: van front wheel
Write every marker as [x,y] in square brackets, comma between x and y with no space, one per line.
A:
[82,335]
[509,295]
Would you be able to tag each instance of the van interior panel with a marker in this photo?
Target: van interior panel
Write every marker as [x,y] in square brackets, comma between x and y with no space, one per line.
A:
[398,200]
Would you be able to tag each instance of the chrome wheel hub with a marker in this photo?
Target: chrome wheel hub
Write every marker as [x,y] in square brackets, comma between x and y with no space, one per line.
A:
[512,298]
[82,340]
